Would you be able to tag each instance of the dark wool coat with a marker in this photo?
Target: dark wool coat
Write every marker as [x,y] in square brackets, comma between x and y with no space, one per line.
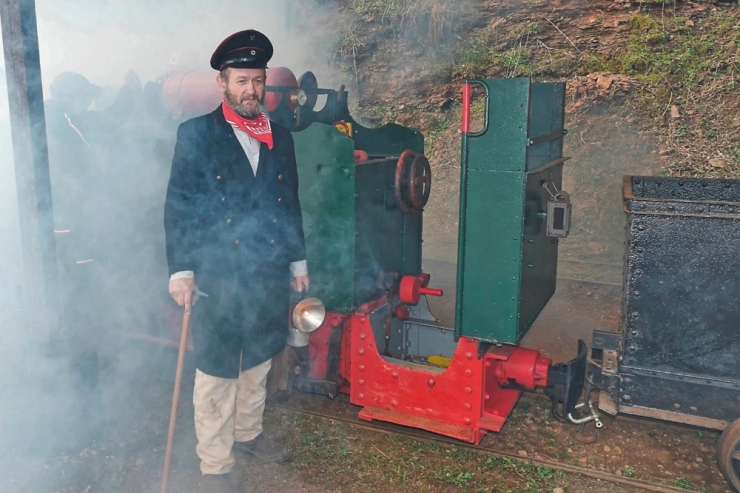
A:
[238,233]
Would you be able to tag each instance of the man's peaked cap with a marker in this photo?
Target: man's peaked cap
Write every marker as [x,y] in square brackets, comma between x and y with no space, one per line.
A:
[245,49]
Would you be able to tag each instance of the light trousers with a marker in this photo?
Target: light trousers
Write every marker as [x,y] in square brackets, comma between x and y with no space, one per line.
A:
[227,409]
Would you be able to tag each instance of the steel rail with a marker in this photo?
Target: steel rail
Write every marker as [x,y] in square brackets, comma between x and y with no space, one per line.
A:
[391,429]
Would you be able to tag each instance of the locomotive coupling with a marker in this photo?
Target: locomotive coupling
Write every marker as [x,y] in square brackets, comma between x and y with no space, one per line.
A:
[566,383]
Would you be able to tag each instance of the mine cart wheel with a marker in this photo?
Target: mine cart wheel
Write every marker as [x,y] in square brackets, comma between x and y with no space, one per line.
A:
[728,454]
[413,181]
[421,182]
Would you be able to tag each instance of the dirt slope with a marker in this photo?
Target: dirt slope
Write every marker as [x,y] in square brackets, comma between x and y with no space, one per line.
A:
[652,88]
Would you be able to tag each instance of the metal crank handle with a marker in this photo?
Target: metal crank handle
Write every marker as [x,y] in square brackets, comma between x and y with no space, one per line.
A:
[581,421]
[592,415]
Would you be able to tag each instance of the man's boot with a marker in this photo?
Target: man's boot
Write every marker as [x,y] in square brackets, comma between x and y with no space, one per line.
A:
[264,448]
[218,483]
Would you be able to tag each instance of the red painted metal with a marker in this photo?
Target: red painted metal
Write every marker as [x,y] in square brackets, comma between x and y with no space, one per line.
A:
[402,312]
[410,289]
[361,156]
[318,345]
[509,370]
[345,356]
[281,77]
[521,367]
[190,93]
[466,94]
[464,401]
[197,93]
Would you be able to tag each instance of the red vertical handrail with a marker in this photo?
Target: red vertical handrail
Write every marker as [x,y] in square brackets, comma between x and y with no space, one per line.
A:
[466,93]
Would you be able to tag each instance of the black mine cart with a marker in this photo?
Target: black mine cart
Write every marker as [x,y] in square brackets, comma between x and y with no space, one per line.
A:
[677,354]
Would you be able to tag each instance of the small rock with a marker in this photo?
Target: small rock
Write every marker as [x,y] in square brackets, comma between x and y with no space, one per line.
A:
[607,448]
[570,450]
[605,81]
[582,460]
[674,112]
[689,22]
[522,453]
[618,450]
[717,163]
[557,490]
[665,152]
[699,460]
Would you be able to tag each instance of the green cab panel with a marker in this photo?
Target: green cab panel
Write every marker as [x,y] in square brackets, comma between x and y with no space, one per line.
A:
[506,262]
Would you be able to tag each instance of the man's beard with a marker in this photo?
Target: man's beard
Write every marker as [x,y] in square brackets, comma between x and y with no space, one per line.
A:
[242,110]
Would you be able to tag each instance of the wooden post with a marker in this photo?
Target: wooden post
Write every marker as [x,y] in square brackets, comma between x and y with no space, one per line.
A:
[31,156]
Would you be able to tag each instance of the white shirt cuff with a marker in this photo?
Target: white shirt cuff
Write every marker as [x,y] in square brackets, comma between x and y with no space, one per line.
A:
[299,268]
[183,274]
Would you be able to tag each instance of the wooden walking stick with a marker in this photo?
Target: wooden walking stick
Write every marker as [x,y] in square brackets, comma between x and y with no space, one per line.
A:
[176,396]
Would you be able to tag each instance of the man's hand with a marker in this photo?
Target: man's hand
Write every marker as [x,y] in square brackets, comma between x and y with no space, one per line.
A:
[300,284]
[183,292]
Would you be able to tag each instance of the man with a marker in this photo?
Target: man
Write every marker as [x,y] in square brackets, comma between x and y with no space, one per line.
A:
[233,225]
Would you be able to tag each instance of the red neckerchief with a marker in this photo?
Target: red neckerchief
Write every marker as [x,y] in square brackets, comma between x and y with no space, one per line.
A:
[258,128]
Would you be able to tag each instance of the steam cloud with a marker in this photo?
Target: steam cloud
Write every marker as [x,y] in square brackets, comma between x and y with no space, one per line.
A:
[49,404]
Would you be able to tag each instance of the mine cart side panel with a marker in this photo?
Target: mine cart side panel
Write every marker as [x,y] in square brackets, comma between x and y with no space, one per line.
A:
[506,263]
[681,322]
[353,226]
[326,173]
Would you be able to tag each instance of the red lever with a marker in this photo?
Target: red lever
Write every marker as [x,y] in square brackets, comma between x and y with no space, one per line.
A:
[410,289]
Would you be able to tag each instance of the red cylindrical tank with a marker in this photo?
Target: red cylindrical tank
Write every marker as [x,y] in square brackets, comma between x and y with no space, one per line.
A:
[281,77]
[197,93]
[190,93]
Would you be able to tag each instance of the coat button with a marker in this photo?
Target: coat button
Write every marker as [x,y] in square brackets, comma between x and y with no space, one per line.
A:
[228,221]
[280,177]
[218,177]
[280,199]
[236,241]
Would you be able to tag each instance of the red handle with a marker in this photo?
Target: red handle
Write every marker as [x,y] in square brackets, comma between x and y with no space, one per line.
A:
[410,289]
[466,94]
[431,291]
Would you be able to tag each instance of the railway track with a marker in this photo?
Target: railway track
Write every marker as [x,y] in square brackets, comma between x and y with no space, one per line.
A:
[340,409]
